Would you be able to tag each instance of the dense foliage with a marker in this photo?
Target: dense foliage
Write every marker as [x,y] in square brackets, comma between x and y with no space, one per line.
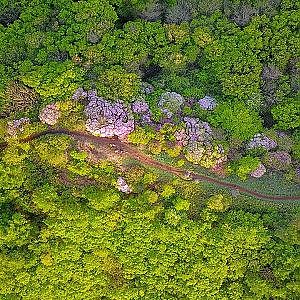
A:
[168,239]
[196,83]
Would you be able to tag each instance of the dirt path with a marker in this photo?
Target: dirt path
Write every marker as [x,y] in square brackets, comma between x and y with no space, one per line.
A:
[136,154]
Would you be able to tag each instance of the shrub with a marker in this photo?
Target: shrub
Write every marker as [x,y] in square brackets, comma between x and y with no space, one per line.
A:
[18,97]
[140,136]
[207,156]
[181,204]
[244,166]
[53,150]
[296,145]
[218,202]
[168,191]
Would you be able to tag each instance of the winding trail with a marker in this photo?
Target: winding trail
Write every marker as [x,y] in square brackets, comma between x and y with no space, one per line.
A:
[136,154]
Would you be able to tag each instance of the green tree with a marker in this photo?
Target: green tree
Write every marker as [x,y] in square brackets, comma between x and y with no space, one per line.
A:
[54,79]
[53,150]
[241,122]
[244,166]
[287,114]
[101,200]
[116,84]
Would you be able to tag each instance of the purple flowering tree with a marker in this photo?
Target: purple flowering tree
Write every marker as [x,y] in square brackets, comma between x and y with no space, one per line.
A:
[261,140]
[141,108]
[122,186]
[259,171]
[16,126]
[197,130]
[79,94]
[279,160]
[50,114]
[207,103]
[108,119]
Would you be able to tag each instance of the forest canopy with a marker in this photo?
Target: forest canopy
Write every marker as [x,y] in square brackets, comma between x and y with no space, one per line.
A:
[111,111]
